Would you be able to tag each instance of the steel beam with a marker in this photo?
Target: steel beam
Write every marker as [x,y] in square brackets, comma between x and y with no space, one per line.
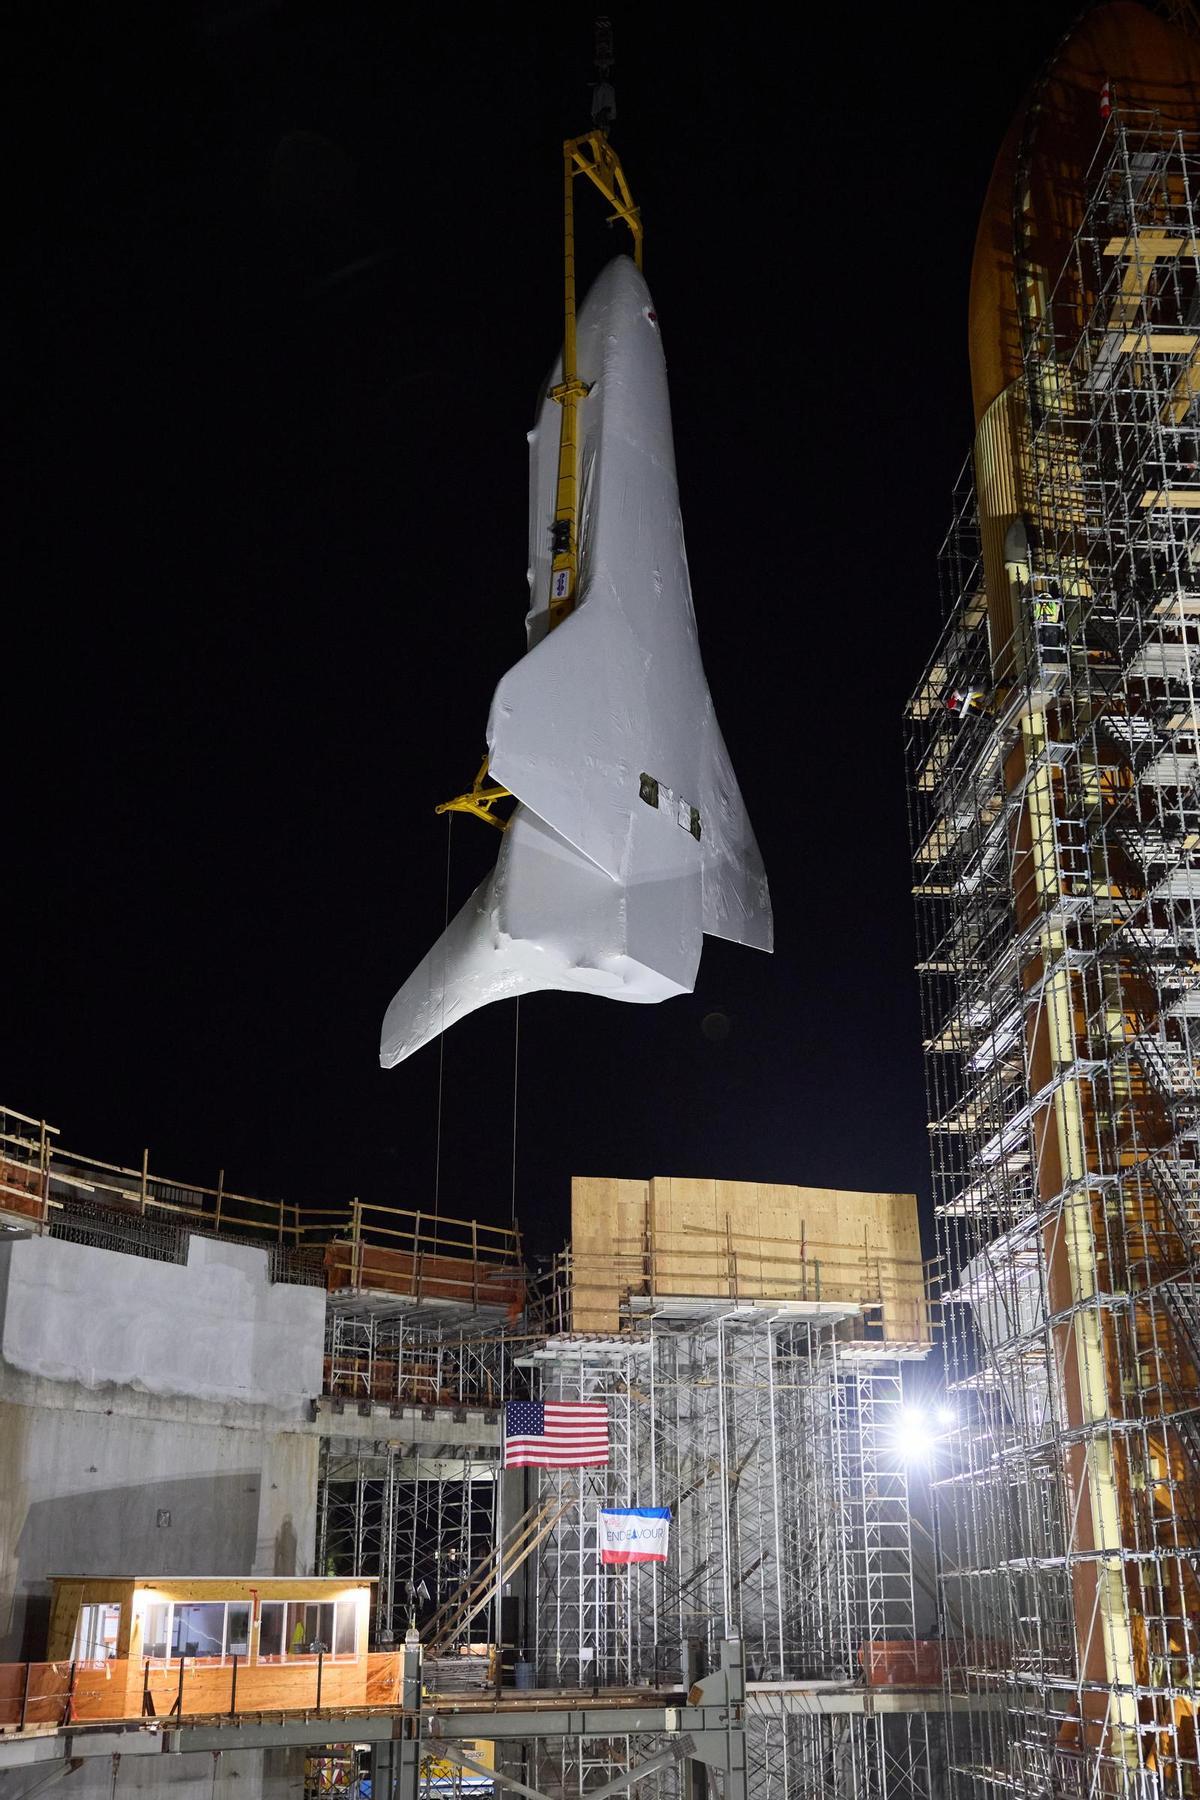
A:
[712,1719]
[721,1742]
[510,1782]
[628,1778]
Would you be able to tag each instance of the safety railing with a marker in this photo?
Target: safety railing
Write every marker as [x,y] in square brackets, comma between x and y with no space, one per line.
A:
[422,1255]
[69,1693]
[358,1246]
[40,1696]
[580,1289]
[41,1181]
[901,1662]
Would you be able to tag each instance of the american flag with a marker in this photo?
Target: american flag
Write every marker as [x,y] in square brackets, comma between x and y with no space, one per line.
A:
[556,1434]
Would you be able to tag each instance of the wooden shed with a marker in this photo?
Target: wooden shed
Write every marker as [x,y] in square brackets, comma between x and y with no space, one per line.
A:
[159,1632]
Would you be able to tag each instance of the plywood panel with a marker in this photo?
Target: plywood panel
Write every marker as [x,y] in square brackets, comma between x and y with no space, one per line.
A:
[208,1687]
[383,1678]
[115,1690]
[593,1228]
[248,1587]
[706,1239]
[64,1616]
[609,1222]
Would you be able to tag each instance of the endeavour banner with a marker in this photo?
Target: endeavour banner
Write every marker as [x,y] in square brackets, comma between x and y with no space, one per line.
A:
[630,1534]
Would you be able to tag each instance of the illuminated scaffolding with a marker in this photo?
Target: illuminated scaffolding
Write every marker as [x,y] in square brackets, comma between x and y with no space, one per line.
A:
[751,1373]
[773,1441]
[417,1515]
[771,1436]
[1056,815]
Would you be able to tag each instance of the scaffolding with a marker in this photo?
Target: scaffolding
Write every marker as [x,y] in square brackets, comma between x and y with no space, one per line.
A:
[751,1370]
[1056,830]
[416,1521]
[416,1516]
[770,1428]
[773,1441]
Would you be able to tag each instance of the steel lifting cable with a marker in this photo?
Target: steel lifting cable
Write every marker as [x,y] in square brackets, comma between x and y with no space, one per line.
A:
[516,1069]
[437,1164]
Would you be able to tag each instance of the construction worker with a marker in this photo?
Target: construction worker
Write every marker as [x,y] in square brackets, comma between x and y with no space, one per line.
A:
[964,702]
[1049,628]
[297,1644]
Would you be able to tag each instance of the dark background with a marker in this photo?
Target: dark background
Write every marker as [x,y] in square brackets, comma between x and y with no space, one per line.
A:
[284,279]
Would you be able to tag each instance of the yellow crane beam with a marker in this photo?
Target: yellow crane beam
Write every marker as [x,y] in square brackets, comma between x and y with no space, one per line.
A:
[594,157]
[591,155]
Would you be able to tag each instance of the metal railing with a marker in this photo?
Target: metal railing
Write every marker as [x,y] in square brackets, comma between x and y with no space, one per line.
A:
[37,1695]
[738,1268]
[41,1179]
[359,1246]
[419,1254]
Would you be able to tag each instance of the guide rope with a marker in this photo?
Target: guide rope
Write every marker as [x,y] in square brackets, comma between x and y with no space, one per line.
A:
[437,1164]
[516,1068]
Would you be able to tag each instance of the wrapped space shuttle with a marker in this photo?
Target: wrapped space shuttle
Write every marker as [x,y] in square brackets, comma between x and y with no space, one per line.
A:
[630,838]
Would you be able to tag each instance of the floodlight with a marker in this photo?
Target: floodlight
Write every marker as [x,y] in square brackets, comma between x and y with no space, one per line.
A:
[914,1439]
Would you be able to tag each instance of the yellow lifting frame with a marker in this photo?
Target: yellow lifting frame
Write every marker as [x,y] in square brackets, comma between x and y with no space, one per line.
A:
[480,800]
[591,155]
[594,157]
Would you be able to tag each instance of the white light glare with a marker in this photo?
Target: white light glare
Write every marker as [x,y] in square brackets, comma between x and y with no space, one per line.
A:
[944,1415]
[914,1440]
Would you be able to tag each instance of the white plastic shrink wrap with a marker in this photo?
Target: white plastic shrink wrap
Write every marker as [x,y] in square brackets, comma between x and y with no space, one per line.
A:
[630,839]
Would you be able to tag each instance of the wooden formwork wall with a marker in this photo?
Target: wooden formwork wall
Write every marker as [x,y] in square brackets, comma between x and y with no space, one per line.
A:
[744,1240]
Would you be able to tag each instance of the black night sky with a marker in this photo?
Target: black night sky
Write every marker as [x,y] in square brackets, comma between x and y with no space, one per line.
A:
[283,279]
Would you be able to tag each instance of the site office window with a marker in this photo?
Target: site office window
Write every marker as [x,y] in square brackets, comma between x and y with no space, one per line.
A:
[207,1630]
[96,1632]
[293,1629]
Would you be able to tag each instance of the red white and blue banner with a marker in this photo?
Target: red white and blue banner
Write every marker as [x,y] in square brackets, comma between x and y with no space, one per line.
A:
[630,1534]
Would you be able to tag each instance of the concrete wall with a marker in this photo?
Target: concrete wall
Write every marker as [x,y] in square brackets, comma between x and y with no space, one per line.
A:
[216,1329]
[235,1775]
[154,1419]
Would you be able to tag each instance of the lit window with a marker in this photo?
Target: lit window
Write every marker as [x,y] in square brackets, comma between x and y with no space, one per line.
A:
[199,1630]
[270,1630]
[345,1631]
[237,1628]
[156,1633]
[315,1626]
[96,1633]
[304,1629]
